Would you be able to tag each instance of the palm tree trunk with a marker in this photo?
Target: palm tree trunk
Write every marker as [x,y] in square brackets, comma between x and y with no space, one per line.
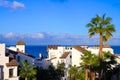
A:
[92,75]
[86,74]
[100,50]
[26,78]
[73,77]
[101,45]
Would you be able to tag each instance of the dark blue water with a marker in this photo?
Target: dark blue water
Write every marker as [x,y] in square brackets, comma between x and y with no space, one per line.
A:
[35,50]
[116,49]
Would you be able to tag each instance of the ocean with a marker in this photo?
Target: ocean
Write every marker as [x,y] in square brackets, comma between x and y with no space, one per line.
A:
[35,50]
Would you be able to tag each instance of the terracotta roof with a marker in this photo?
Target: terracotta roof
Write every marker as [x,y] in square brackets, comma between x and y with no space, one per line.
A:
[20,42]
[80,49]
[53,47]
[12,62]
[52,58]
[106,46]
[65,55]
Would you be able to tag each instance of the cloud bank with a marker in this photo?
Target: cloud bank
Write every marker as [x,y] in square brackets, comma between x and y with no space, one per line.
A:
[47,38]
[12,5]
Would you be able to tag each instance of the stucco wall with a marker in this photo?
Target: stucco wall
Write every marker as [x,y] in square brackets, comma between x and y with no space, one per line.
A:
[24,57]
[3,61]
[21,48]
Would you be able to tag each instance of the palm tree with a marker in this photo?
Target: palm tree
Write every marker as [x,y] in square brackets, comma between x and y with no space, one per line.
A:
[103,27]
[89,61]
[72,71]
[106,66]
[80,75]
[27,71]
[61,69]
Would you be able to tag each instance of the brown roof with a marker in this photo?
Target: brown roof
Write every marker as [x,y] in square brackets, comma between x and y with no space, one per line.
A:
[80,49]
[12,62]
[65,55]
[52,58]
[53,47]
[20,42]
[106,46]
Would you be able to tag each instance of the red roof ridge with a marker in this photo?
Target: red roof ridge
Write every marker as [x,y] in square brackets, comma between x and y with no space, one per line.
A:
[12,62]
[64,55]
[106,46]
[52,46]
[20,42]
[80,49]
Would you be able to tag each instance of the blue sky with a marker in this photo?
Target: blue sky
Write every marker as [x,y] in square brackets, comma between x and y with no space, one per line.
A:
[54,21]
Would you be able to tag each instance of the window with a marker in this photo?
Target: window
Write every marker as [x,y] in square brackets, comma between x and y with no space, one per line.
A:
[1,72]
[62,60]
[14,56]
[18,58]
[10,72]
[70,56]
[26,61]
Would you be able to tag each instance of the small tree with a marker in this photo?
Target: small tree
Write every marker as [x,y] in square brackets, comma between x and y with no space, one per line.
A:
[89,61]
[73,71]
[80,75]
[106,66]
[60,70]
[27,71]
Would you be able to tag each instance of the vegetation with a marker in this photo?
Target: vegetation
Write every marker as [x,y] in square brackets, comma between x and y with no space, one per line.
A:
[89,62]
[103,27]
[51,73]
[28,72]
[73,71]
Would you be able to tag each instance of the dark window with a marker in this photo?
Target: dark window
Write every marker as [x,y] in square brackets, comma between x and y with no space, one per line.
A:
[1,72]
[18,58]
[70,56]
[10,72]
[14,56]
[26,61]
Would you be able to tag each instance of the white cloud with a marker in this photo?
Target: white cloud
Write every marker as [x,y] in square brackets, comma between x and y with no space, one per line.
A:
[16,5]
[37,35]
[47,38]
[4,3]
[9,35]
[12,5]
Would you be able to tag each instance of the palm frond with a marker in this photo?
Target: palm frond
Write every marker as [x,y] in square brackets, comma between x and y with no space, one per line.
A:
[107,20]
[104,39]
[89,25]
[110,28]
[91,34]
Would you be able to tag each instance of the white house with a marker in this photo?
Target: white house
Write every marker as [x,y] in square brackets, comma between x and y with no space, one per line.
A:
[20,45]
[71,55]
[95,49]
[18,53]
[55,53]
[68,55]
[8,65]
